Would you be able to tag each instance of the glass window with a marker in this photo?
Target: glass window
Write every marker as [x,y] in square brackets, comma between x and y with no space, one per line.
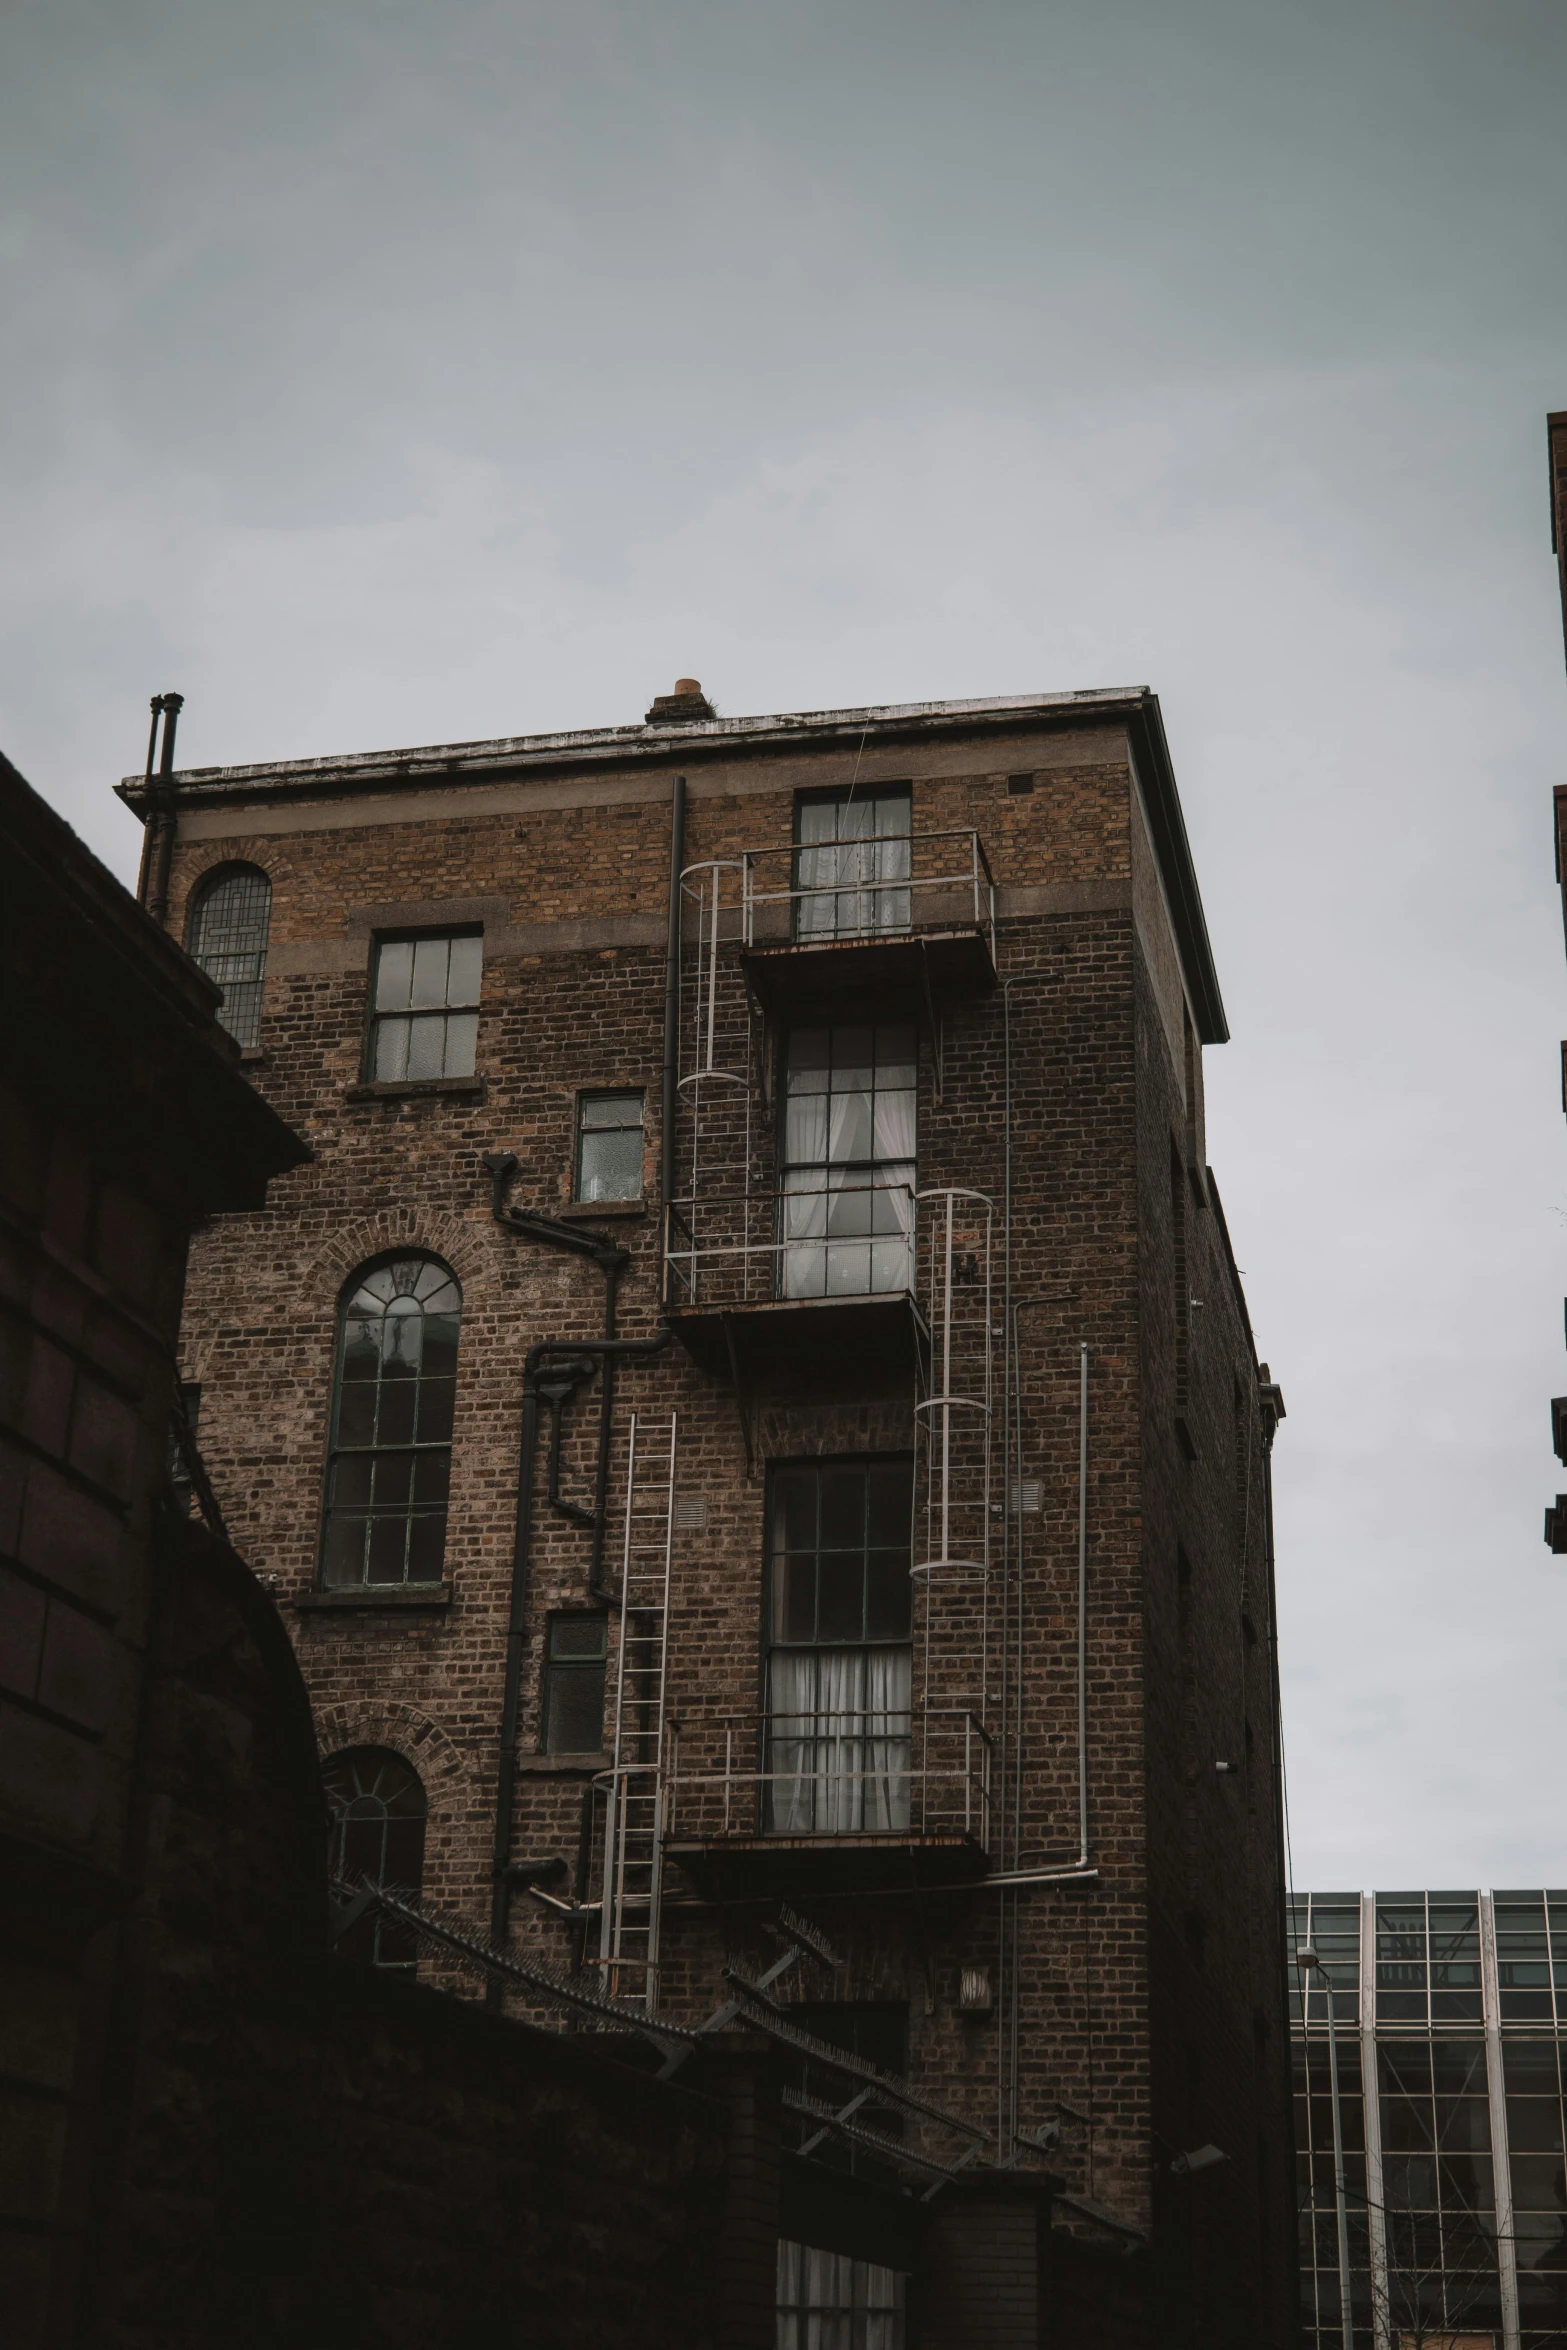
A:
[852,865]
[391,1452]
[826,2301]
[377,1809]
[425,1007]
[850,1104]
[574,1685]
[609,1146]
[227,935]
[840,1605]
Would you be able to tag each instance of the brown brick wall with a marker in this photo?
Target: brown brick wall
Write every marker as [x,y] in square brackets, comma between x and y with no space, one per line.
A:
[1150,1978]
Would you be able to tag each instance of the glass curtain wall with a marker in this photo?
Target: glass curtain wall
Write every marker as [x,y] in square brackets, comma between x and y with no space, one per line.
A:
[1469,2104]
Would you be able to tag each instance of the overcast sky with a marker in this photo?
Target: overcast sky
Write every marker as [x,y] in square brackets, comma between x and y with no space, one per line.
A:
[391,372]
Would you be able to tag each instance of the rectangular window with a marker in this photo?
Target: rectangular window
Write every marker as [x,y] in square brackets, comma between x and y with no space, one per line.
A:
[852,865]
[574,1685]
[609,1146]
[826,2301]
[425,1007]
[840,1661]
[849,1172]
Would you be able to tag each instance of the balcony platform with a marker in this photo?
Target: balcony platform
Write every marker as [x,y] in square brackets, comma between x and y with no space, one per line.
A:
[871,1333]
[946,966]
[738,1867]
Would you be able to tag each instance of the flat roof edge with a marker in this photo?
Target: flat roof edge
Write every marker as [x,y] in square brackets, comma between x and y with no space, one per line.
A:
[628,741]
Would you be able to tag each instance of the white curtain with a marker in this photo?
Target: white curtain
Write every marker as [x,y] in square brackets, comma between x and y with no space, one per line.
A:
[826,2301]
[847,849]
[889,1682]
[839,1740]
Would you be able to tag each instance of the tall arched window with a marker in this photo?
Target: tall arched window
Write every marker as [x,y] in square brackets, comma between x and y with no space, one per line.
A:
[377,1809]
[227,935]
[391,1454]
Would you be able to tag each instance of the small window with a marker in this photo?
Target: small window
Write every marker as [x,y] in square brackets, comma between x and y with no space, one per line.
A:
[425,1020]
[574,1685]
[391,1459]
[377,1808]
[609,1146]
[227,935]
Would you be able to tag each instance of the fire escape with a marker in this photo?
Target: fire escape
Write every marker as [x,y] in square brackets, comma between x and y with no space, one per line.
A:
[850,1280]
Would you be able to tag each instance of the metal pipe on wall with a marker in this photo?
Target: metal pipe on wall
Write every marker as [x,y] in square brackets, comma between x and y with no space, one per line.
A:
[669,1094]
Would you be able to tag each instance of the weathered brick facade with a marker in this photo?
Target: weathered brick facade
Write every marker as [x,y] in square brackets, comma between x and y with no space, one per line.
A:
[1136,1987]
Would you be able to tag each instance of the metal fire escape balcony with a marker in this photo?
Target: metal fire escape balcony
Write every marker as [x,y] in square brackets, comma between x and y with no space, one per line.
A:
[785,1280]
[831,1801]
[909,917]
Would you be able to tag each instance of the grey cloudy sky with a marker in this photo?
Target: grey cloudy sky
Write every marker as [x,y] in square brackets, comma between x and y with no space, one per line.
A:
[393,372]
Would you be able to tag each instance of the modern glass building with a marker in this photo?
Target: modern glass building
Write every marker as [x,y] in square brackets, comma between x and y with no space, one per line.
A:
[1448,2011]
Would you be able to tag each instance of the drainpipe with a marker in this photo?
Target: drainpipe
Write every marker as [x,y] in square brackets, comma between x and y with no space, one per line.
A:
[668,1095]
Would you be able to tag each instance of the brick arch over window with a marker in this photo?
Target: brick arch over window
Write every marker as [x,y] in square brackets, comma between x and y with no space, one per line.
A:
[227,925]
[384,1721]
[467,1244]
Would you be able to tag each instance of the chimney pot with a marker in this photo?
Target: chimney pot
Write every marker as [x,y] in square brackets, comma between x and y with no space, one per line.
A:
[688,685]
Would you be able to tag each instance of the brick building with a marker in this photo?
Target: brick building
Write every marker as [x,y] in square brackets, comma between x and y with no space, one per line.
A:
[751,1403]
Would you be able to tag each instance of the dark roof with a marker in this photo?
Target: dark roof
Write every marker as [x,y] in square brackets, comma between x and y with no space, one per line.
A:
[112,1023]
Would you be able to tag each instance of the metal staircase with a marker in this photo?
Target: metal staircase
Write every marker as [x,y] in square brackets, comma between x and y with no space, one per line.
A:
[634,1813]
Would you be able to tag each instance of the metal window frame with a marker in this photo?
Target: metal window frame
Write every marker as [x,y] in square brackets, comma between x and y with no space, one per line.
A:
[606,1093]
[413,934]
[350,1288]
[580,1664]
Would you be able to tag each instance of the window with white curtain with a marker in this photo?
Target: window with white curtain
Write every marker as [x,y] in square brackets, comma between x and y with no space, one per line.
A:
[826,2301]
[839,1683]
[851,865]
[849,1143]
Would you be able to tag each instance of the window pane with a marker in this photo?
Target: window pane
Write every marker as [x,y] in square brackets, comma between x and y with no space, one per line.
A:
[426,1546]
[889,1606]
[843,1508]
[394,975]
[795,1600]
[462,1044]
[427,1046]
[432,957]
[610,1109]
[579,1637]
[841,1605]
[1529,2067]
[794,1509]
[466,972]
[391,1051]
[610,1165]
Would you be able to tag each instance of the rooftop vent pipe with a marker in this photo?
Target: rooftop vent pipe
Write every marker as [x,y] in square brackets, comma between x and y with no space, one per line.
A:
[158,842]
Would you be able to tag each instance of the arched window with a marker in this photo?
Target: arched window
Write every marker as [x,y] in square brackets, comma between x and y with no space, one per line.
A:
[391,1456]
[377,1809]
[227,936]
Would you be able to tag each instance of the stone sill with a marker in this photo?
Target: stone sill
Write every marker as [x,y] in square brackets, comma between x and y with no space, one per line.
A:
[389,1598]
[402,1089]
[565,1766]
[602,1211]
[252,1055]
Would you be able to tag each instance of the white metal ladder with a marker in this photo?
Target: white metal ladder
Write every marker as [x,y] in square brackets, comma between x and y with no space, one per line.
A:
[634,1814]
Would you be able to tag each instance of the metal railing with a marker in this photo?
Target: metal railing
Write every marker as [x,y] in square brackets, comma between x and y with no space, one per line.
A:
[814,1775]
[866,889]
[843,1240]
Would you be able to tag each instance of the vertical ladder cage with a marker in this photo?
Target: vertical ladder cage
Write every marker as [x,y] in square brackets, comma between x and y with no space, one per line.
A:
[634,1812]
